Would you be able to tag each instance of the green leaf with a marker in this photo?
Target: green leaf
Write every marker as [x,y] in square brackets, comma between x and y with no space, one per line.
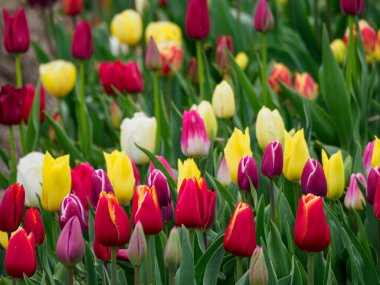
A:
[223,191]
[186,273]
[32,132]
[91,277]
[41,55]
[295,273]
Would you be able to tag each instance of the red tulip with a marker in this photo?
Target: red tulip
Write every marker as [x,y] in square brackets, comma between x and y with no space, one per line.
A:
[163,3]
[197,19]
[16,32]
[352,7]
[72,7]
[172,57]
[33,224]
[102,252]
[28,103]
[81,46]
[222,59]
[11,105]
[11,208]
[376,203]
[240,237]
[311,231]
[136,173]
[263,17]
[81,182]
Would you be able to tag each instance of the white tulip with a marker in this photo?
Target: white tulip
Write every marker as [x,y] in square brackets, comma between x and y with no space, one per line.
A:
[117,48]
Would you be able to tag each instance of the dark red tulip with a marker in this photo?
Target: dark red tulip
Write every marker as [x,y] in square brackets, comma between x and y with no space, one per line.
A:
[81,46]
[167,213]
[12,208]
[352,7]
[273,161]
[313,179]
[222,59]
[157,179]
[72,7]
[41,3]
[81,183]
[16,32]
[247,171]
[28,103]
[11,105]
[72,207]
[197,19]
[33,224]
[373,178]
[163,3]
[263,17]
[99,183]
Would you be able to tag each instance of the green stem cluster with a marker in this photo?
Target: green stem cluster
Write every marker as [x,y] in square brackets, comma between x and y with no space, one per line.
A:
[157,109]
[149,261]
[310,269]
[83,129]
[350,63]
[13,169]
[200,68]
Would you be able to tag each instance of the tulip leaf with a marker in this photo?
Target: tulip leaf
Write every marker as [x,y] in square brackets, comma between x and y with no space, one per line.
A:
[4,156]
[41,55]
[91,277]
[272,277]
[3,182]
[213,267]
[186,272]
[244,279]
[222,190]
[295,273]
[159,248]
[32,132]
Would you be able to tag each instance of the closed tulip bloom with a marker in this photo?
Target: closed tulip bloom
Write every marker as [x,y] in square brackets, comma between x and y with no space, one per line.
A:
[165,163]
[112,227]
[33,224]
[11,105]
[296,154]
[16,31]
[12,208]
[197,19]
[186,170]
[352,7]
[127,27]
[376,153]
[29,174]
[120,173]
[247,172]
[70,244]
[137,248]
[305,85]
[334,172]
[82,47]
[311,231]
[72,7]
[258,272]
[373,178]
[280,73]
[157,179]
[313,179]
[172,58]
[242,60]
[222,59]
[367,156]
[173,251]
[273,161]
[72,207]
[138,130]
[28,102]
[238,146]
[153,60]
[269,127]
[102,252]
[195,205]
[163,33]
[116,114]
[206,112]
[81,183]
[58,77]
[339,50]
[376,204]
[223,101]
[20,257]
[133,78]
[263,20]
[223,174]
[192,70]
[99,183]
[354,198]
[240,236]
[194,139]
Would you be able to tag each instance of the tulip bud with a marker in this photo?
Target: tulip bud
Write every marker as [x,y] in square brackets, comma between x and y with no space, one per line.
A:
[173,251]
[240,236]
[70,244]
[222,60]
[352,7]
[165,164]
[157,179]
[16,32]
[311,231]
[376,153]
[72,207]
[72,7]
[223,174]
[194,139]
[279,73]
[247,171]
[334,172]
[28,103]
[263,21]
[313,179]
[367,156]
[153,60]
[258,272]
[206,112]
[242,60]
[12,208]
[102,252]
[197,19]
[11,105]
[339,50]
[33,224]
[99,183]
[223,101]
[354,198]
[187,169]
[373,178]
[20,257]
[82,47]
[137,247]
[127,27]
[192,70]
[81,183]
[273,161]
[269,127]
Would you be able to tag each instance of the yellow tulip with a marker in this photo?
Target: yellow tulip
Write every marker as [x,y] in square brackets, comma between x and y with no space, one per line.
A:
[296,154]
[242,60]
[127,27]
[339,50]
[187,169]
[164,33]
[334,172]
[56,181]
[238,146]
[223,101]
[206,112]
[376,153]
[269,127]
[4,240]
[58,77]
[120,173]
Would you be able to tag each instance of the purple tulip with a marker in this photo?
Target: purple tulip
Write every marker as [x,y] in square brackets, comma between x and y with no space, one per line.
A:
[167,213]
[313,179]
[16,32]
[263,17]
[273,161]
[99,182]
[352,7]
[157,179]
[247,171]
[373,178]
[72,207]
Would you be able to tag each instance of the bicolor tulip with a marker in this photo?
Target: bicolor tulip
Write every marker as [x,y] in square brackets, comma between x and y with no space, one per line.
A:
[12,208]
[120,173]
[33,224]
[81,182]
[269,127]
[20,257]
[223,174]
[376,204]
[305,85]
[72,7]
[311,231]
[272,161]
[172,58]
[334,172]
[56,181]
[102,252]
[164,33]
[376,153]
[258,272]
[157,179]
[247,172]
[81,46]
[206,112]
[222,59]
[173,251]
[127,27]
[99,183]
[296,154]
[186,170]
[367,156]
[263,20]
[223,101]
[313,179]
[339,50]
[165,163]
[72,207]
[280,73]
[16,31]
[373,178]
[112,227]
[197,19]
[11,105]
[137,248]
[240,236]
[238,146]
[28,102]
[354,198]
[153,60]
[352,7]
[242,60]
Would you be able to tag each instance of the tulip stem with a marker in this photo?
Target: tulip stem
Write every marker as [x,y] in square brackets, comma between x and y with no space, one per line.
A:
[70,275]
[137,275]
[272,201]
[171,277]
[149,261]
[295,196]
[157,109]
[113,266]
[12,148]
[239,268]
[264,67]
[205,239]
[310,269]
[192,238]
[350,62]
[83,131]
[18,70]
[200,67]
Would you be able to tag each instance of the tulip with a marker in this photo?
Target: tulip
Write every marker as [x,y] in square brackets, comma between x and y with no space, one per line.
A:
[376,204]
[139,130]
[222,60]
[29,174]
[153,60]
[146,209]
[206,112]
[339,50]
[116,114]
[4,240]
[157,179]
[313,179]
[58,77]
[280,73]
[223,101]
[167,213]
[240,236]
[296,154]
[238,146]
[192,70]
[11,105]
[247,172]
[305,85]
[165,164]
[127,27]
[20,257]
[120,173]
[136,173]
[117,48]
[186,170]
[81,47]
[376,52]
[172,57]
[242,60]
[81,182]
[33,224]
[56,181]
[197,19]
[16,31]
[99,183]
[112,227]
[272,162]
[28,102]
[223,174]
[367,156]
[269,127]
[263,21]
[334,171]
[163,3]
[373,178]
[194,139]
[12,208]
[376,153]
[258,272]
[137,248]
[173,251]
[195,205]
[72,207]
[354,198]
[101,252]
[72,7]
[58,119]
[311,231]
[352,7]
